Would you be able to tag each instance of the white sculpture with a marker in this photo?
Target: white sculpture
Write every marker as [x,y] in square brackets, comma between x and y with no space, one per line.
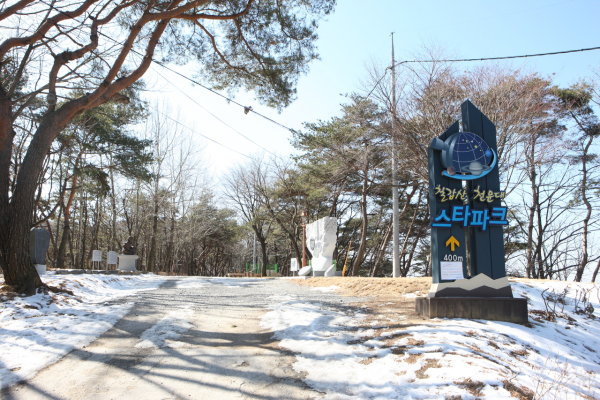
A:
[321,237]
[330,271]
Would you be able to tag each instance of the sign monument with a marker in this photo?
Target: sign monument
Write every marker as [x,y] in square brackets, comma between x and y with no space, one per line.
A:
[465,202]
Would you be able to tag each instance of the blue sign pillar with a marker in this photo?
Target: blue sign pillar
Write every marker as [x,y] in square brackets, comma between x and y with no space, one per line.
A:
[465,200]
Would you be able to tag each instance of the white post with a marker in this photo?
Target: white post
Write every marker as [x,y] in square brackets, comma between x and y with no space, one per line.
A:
[395,222]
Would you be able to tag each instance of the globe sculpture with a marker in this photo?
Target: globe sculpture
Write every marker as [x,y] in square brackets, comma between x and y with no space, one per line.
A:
[465,156]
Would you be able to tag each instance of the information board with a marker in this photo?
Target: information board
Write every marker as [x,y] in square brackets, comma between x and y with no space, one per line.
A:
[451,270]
[112,257]
[97,256]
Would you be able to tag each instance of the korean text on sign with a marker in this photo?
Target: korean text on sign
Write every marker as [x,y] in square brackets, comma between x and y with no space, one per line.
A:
[468,217]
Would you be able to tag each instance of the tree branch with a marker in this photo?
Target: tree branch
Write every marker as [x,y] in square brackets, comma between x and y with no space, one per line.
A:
[41,32]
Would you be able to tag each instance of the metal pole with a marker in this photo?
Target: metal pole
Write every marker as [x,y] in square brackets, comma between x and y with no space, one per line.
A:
[395,222]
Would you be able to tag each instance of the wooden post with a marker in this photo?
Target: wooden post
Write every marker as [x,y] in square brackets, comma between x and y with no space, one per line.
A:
[346,261]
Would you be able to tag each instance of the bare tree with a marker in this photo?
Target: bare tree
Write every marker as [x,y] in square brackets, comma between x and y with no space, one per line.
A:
[242,187]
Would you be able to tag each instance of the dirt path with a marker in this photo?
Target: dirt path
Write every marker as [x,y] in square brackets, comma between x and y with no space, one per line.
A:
[223,355]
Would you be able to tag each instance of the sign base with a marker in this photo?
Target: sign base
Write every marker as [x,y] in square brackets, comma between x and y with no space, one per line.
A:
[478,286]
[493,309]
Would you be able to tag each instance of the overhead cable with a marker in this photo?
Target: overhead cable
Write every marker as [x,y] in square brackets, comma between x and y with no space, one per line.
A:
[479,59]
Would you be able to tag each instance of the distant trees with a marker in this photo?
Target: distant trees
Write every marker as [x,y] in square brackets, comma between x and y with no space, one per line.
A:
[548,169]
[577,102]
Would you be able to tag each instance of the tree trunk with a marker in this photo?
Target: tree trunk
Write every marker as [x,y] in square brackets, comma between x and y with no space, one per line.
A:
[170,245]
[263,249]
[596,272]
[382,249]
[152,252]
[389,233]
[95,229]
[16,215]
[84,236]
[412,250]
[531,221]
[364,227]
[114,242]
[588,215]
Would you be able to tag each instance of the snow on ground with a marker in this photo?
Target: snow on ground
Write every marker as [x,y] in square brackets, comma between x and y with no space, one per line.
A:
[232,281]
[166,332]
[200,281]
[353,354]
[331,288]
[37,331]
[191,282]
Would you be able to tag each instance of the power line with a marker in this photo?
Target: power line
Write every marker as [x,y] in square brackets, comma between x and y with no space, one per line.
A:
[213,115]
[480,59]
[503,58]
[198,133]
[247,109]
[229,100]
[217,118]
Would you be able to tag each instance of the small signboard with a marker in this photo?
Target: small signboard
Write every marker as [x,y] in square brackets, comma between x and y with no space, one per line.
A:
[294,265]
[97,256]
[451,270]
[112,257]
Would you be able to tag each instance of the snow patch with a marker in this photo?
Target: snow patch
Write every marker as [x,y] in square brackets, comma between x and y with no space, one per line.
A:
[331,288]
[344,355]
[166,332]
[37,331]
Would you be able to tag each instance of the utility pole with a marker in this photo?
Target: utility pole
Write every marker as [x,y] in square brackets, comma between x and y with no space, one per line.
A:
[254,254]
[395,222]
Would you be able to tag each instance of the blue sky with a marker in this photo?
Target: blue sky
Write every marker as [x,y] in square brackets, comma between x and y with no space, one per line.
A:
[358,33]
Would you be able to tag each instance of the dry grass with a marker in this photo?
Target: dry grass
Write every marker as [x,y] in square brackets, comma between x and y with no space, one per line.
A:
[519,392]
[372,287]
[383,297]
[430,363]
[473,387]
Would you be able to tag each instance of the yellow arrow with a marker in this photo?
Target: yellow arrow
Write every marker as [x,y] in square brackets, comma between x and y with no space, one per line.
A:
[452,242]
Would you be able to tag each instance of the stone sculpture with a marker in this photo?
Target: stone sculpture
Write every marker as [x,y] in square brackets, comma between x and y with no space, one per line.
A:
[128,259]
[321,237]
[128,247]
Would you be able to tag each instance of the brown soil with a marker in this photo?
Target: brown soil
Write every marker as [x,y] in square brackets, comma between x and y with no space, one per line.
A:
[382,299]
[378,287]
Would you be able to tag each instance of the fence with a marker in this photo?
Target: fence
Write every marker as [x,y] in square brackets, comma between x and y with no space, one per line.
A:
[256,268]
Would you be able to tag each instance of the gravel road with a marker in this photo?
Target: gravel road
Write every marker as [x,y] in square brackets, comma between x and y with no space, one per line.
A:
[219,350]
